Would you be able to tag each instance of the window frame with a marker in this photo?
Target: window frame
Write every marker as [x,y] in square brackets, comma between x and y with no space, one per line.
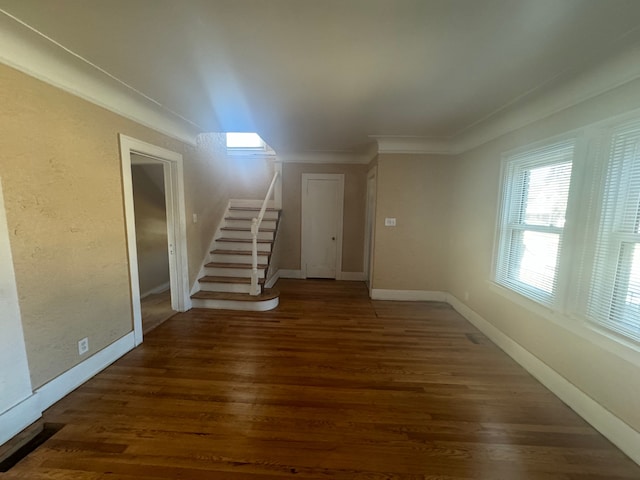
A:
[610,240]
[511,218]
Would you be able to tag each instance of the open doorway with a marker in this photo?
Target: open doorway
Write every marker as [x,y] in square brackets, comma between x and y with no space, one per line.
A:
[163,170]
[152,240]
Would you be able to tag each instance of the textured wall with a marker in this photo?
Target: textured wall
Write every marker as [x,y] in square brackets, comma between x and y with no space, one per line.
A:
[355,188]
[60,166]
[414,189]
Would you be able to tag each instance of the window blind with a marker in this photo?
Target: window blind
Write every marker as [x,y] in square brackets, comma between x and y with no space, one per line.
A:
[614,294]
[534,202]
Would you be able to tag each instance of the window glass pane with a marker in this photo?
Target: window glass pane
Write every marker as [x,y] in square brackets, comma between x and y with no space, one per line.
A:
[547,192]
[535,255]
[244,140]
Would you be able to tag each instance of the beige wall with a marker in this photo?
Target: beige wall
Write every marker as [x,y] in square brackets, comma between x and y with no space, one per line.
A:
[289,236]
[414,189]
[151,226]
[60,166]
[597,368]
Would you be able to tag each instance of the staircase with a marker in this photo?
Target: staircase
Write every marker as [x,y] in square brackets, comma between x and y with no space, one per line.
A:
[226,282]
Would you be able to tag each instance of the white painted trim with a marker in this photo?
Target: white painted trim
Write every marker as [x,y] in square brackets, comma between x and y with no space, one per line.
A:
[296,274]
[618,432]
[352,276]
[408,295]
[306,177]
[272,281]
[614,72]
[412,145]
[16,405]
[249,306]
[30,51]
[154,291]
[176,225]
[326,157]
[19,417]
[60,386]
[370,226]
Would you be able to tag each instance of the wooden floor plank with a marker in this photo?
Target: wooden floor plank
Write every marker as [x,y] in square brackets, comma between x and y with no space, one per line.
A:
[329,385]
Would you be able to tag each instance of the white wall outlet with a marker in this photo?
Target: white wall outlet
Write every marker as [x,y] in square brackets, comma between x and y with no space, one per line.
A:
[389,222]
[83,346]
[195,218]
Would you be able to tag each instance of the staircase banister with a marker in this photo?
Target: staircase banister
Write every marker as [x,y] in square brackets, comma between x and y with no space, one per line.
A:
[255,228]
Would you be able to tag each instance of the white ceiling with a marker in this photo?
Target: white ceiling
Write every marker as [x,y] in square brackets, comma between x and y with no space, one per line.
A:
[324,75]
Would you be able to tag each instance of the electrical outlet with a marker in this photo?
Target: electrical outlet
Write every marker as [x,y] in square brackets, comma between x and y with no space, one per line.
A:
[83,346]
[389,222]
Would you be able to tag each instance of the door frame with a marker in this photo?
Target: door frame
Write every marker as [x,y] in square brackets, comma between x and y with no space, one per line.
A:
[370,227]
[176,225]
[305,230]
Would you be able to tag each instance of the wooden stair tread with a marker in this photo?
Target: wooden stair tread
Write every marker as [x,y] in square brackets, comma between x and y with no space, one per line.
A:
[247,229]
[267,294]
[219,251]
[233,265]
[220,279]
[242,240]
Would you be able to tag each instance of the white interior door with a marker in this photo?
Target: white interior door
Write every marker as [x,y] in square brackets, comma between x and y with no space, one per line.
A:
[322,200]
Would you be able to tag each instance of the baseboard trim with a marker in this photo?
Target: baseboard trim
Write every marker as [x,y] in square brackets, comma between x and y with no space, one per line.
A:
[159,289]
[408,295]
[290,273]
[19,417]
[60,386]
[272,281]
[352,276]
[618,432]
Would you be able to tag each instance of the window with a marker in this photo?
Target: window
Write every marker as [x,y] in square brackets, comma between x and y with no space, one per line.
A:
[534,203]
[244,141]
[243,144]
[614,293]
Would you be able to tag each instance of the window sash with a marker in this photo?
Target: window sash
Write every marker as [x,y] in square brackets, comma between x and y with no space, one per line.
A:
[529,207]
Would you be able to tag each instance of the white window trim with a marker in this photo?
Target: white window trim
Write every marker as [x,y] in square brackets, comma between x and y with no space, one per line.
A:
[499,276]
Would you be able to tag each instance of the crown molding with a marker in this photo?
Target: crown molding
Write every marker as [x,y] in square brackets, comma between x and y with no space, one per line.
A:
[412,145]
[614,72]
[325,157]
[31,52]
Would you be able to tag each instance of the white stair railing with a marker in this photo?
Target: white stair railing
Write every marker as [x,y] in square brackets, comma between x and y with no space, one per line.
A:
[255,228]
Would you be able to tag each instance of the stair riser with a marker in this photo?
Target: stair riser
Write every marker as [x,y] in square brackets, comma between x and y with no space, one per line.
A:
[235,305]
[225,287]
[248,235]
[231,272]
[243,247]
[246,259]
[247,223]
[253,214]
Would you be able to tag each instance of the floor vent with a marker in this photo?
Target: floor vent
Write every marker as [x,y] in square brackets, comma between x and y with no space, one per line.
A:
[48,430]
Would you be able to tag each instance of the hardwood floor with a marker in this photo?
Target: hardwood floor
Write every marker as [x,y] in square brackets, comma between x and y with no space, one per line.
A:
[155,310]
[327,386]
